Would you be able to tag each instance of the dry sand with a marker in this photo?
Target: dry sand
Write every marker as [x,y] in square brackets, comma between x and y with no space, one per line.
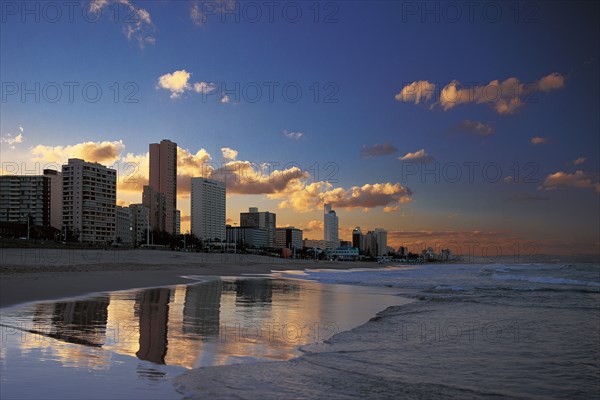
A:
[45,274]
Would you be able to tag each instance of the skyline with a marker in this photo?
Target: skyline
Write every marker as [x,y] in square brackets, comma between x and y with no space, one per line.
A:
[480,130]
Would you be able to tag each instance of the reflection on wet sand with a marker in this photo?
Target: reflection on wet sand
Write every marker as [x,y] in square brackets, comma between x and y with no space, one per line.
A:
[210,323]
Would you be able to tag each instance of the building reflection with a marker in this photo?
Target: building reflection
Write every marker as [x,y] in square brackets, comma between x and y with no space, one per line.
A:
[210,323]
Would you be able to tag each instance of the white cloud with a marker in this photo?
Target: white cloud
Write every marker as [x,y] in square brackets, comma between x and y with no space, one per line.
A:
[204,87]
[137,22]
[224,99]
[12,141]
[420,155]
[228,153]
[200,16]
[292,135]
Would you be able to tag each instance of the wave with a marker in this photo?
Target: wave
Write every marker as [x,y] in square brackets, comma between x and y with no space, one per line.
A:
[546,280]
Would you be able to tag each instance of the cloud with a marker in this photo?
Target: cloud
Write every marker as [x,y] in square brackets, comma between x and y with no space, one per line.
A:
[178,83]
[474,127]
[579,160]
[561,179]
[12,141]
[307,197]
[292,135]
[229,154]
[505,97]
[420,155]
[245,177]
[377,150]
[101,152]
[191,165]
[199,12]
[416,91]
[224,99]
[536,140]
[390,209]
[314,225]
[137,22]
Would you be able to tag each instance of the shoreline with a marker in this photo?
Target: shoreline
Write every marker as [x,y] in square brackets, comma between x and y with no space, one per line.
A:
[28,275]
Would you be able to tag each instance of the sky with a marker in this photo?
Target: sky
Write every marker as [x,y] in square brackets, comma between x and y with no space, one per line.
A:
[469,125]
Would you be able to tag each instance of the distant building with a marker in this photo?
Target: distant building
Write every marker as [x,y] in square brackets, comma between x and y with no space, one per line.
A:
[157,207]
[208,209]
[288,237]
[23,197]
[260,219]
[123,229]
[330,228]
[344,253]
[56,197]
[381,241]
[358,240]
[311,243]
[89,200]
[247,236]
[163,179]
[177,222]
[139,224]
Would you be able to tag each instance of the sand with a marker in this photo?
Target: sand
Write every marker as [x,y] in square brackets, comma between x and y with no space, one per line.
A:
[46,274]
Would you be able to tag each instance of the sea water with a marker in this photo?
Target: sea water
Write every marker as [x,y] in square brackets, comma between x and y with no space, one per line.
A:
[428,331]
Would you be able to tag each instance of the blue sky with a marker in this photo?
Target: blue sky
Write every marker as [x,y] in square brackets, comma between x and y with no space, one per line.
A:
[360,55]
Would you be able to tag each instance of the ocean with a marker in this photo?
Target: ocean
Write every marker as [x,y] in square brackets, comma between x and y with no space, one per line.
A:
[464,331]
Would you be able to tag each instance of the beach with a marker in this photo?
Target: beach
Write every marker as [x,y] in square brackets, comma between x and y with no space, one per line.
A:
[170,325]
[43,274]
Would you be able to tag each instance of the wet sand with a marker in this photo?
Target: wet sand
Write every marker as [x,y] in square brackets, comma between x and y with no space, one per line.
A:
[44,274]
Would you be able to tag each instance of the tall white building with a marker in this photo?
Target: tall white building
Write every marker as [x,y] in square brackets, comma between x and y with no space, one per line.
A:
[381,240]
[331,228]
[208,209]
[89,200]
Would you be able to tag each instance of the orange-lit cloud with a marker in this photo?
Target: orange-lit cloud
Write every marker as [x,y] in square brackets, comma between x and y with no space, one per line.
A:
[420,155]
[536,140]
[101,152]
[245,177]
[377,150]
[505,97]
[312,196]
[228,153]
[178,83]
[579,160]
[474,127]
[561,179]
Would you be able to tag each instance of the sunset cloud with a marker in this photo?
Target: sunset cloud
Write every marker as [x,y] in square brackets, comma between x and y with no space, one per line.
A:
[579,160]
[245,177]
[561,179]
[416,92]
[474,127]
[309,197]
[101,152]
[228,153]
[505,97]
[314,225]
[178,83]
[537,140]
[12,141]
[420,155]
[377,150]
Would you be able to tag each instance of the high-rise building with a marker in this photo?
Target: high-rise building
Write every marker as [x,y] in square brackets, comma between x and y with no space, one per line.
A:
[163,179]
[381,240]
[89,200]
[139,224]
[330,228]
[25,197]
[358,239]
[288,237]
[260,219]
[56,194]
[123,228]
[156,204]
[177,222]
[247,236]
[208,209]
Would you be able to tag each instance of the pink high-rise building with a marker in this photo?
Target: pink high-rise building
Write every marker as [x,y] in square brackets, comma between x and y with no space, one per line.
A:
[163,178]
